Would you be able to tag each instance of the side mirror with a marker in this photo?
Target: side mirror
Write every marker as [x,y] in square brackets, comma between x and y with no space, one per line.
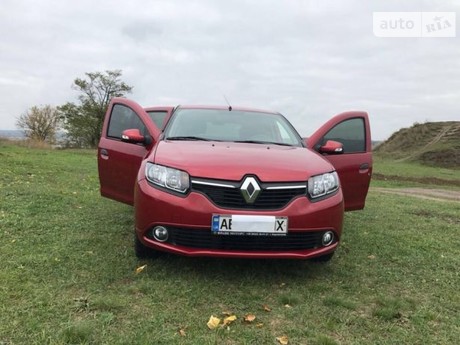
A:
[331,147]
[133,136]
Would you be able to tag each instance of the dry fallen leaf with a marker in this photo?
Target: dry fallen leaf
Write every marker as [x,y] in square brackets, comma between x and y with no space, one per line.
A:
[288,306]
[227,313]
[249,318]
[140,269]
[182,332]
[259,325]
[213,322]
[228,320]
[267,308]
[283,340]
[372,257]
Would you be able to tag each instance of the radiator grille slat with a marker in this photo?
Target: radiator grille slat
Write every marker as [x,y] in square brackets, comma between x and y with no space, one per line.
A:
[231,198]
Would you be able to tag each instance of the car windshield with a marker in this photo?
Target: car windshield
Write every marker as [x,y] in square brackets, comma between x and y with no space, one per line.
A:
[231,126]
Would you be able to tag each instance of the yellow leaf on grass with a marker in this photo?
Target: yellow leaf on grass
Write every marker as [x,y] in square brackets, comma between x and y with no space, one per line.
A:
[249,318]
[267,308]
[372,257]
[283,340]
[140,269]
[259,325]
[227,313]
[213,322]
[228,320]
[182,332]
[288,306]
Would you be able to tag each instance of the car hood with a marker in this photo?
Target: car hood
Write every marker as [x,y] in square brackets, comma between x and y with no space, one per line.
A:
[232,161]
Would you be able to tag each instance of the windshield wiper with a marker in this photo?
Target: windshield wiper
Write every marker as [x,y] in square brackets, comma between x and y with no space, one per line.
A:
[187,138]
[261,142]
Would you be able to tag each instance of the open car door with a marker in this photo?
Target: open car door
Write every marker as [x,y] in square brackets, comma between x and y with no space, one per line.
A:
[128,135]
[354,162]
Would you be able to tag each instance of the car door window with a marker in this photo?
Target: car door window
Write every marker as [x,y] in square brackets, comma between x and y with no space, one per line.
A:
[158,117]
[351,133]
[123,118]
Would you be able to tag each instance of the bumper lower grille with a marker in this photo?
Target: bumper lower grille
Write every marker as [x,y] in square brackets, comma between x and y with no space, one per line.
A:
[205,239]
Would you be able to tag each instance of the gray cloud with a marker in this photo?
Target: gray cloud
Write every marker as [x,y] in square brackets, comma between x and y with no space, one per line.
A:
[306,59]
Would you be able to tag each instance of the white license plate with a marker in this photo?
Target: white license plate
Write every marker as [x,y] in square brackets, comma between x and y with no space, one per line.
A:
[248,225]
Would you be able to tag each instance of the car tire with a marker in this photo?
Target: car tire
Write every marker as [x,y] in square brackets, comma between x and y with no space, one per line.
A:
[323,258]
[143,252]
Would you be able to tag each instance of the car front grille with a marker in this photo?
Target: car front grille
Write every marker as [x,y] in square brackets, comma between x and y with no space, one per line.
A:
[228,195]
[205,239]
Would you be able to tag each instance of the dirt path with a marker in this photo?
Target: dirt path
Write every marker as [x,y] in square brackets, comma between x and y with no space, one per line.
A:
[424,193]
[432,142]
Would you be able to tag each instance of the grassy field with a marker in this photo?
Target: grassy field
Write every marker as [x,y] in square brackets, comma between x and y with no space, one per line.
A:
[389,173]
[68,272]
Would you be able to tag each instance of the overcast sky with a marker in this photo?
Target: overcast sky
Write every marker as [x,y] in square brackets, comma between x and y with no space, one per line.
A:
[306,59]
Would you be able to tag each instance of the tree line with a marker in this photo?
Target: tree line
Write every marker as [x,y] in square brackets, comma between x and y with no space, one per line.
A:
[80,121]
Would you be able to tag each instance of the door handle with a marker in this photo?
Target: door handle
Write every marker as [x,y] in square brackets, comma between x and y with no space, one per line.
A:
[364,166]
[104,154]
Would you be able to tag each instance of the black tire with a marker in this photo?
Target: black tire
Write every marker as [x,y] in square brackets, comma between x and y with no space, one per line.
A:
[143,252]
[323,258]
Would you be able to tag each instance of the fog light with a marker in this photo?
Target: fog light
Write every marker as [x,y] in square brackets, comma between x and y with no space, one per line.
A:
[160,233]
[328,238]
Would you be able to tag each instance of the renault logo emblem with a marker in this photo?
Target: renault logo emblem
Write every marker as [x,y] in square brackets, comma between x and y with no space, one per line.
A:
[250,189]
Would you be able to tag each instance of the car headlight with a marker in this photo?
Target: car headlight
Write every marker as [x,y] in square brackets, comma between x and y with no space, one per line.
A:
[324,184]
[173,179]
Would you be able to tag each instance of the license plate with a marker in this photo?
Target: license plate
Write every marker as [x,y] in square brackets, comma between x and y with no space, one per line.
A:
[249,225]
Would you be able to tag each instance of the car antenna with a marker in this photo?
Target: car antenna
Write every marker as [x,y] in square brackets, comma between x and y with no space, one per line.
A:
[229,106]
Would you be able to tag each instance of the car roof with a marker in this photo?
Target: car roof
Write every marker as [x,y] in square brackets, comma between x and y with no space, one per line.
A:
[215,107]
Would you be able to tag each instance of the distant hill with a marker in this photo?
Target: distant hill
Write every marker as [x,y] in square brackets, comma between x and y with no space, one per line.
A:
[375,143]
[12,134]
[430,143]
[17,134]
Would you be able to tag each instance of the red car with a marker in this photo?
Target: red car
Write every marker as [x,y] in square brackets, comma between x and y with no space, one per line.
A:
[233,182]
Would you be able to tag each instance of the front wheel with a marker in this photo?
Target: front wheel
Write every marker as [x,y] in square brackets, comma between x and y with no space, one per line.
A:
[323,258]
[143,252]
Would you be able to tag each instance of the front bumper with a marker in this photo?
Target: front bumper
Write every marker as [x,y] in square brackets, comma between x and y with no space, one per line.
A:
[188,220]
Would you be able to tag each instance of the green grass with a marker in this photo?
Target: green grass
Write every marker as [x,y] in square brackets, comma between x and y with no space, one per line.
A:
[68,272]
[391,173]
[413,169]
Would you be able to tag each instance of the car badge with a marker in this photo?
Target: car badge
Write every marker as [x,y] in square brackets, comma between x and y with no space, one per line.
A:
[250,190]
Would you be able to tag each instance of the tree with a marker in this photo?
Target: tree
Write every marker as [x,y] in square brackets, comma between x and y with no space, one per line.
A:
[83,121]
[40,123]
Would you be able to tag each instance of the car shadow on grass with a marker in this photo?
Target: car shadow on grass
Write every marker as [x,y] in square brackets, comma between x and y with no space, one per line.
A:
[232,270]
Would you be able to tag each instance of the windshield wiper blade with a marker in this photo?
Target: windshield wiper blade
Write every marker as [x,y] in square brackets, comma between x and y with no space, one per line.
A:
[261,142]
[187,138]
